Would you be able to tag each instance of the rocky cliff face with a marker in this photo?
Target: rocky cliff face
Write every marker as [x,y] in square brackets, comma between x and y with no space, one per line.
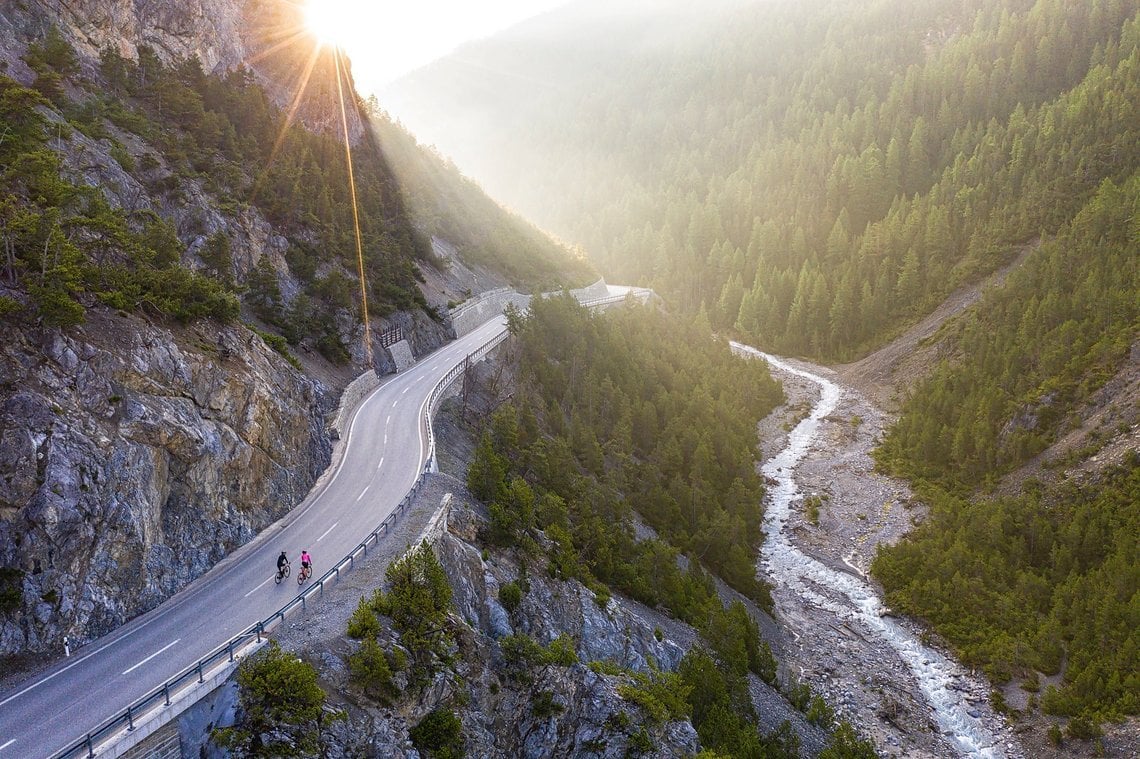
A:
[267,36]
[133,457]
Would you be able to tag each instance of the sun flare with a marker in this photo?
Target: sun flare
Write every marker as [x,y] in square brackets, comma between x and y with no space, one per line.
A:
[332,21]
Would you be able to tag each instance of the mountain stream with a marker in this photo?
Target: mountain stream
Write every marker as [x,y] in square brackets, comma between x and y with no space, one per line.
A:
[970,728]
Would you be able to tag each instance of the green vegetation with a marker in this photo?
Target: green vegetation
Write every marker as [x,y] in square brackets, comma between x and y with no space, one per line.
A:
[11,589]
[66,248]
[282,708]
[1045,581]
[510,596]
[1034,583]
[661,695]
[418,602]
[1061,327]
[373,673]
[832,170]
[631,411]
[627,413]
[439,735]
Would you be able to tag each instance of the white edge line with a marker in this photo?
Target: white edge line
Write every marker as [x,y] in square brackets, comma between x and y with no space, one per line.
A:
[156,653]
[250,593]
[6,745]
[326,532]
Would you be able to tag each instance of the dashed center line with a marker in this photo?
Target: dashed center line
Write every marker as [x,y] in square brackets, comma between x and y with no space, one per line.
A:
[381,462]
[6,745]
[362,492]
[156,653]
[250,593]
[406,389]
[330,529]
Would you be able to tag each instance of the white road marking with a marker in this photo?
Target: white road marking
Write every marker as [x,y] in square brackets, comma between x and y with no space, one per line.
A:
[381,462]
[395,402]
[156,653]
[406,389]
[326,532]
[385,438]
[6,745]
[250,593]
[362,492]
[388,420]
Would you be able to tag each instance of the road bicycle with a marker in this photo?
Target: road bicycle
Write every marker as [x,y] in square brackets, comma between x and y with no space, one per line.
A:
[306,573]
[282,573]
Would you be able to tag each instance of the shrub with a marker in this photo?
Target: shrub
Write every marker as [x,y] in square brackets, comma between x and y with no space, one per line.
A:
[363,622]
[282,707]
[662,695]
[11,589]
[439,735]
[1084,729]
[371,670]
[543,705]
[510,596]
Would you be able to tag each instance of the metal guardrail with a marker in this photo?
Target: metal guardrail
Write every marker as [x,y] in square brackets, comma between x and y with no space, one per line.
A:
[254,634]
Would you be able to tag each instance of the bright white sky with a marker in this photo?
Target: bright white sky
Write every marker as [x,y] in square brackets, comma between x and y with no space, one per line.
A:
[387,39]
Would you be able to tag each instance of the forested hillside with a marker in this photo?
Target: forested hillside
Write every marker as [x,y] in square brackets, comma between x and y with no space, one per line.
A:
[635,417]
[817,176]
[1047,582]
[814,175]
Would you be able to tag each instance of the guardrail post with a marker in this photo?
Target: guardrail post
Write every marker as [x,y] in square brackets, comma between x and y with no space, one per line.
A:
[166,693]
[231,650]
[201,677]
[258,632]
[130,719]
[90,747]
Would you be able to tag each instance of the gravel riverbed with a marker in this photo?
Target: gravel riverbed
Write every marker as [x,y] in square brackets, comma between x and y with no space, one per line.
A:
[856,671]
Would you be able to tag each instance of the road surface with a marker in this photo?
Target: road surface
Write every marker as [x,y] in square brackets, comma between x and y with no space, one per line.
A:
[385,448]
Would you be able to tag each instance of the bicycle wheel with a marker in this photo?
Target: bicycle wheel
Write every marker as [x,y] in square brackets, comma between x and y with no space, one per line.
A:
[303,576]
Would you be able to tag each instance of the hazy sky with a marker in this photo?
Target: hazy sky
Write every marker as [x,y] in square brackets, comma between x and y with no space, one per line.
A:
[387,39]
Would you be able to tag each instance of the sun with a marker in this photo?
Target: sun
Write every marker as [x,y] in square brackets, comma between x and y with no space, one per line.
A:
[331,21]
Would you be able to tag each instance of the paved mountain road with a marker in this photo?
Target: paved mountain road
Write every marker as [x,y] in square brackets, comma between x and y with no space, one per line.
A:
[384,450]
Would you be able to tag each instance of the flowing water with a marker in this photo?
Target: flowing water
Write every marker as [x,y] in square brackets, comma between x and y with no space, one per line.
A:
[848,597]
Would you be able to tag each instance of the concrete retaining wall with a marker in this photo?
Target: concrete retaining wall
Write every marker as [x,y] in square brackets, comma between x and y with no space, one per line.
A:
[485,306]
[351,396]
[402,355]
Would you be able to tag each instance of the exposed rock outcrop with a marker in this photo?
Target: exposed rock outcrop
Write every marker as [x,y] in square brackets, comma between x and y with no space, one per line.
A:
[267,36]
[133,458]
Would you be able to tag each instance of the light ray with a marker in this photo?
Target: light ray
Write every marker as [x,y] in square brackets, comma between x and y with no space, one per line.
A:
[355,211]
